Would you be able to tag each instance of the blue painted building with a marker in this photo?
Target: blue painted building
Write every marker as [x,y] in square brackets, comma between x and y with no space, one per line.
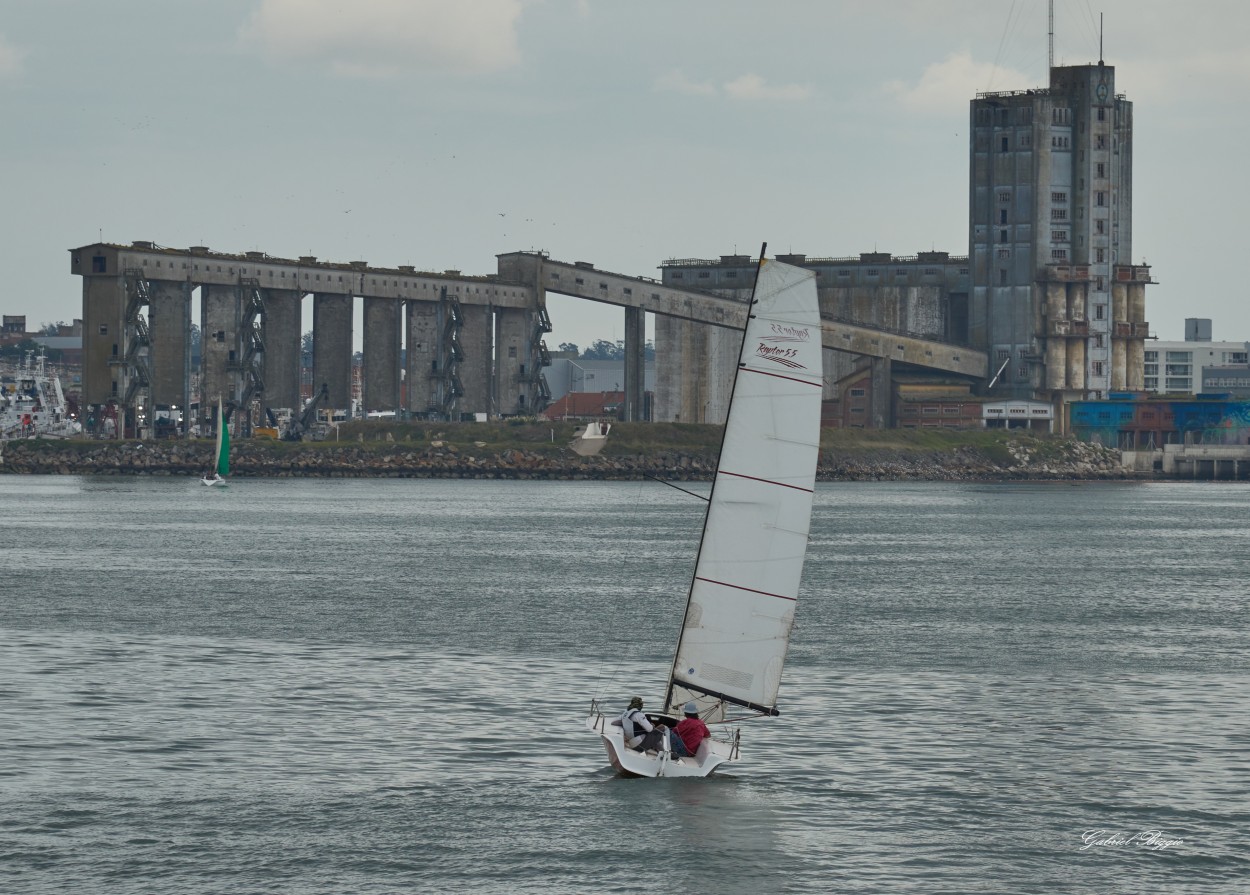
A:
[1139,421]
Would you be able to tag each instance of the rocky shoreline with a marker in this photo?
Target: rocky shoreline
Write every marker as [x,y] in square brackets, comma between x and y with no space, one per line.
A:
[1065,460]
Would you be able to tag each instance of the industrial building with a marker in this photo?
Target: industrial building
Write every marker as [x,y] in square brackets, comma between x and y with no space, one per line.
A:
[1048,291]
[1056,297]
[1047,308]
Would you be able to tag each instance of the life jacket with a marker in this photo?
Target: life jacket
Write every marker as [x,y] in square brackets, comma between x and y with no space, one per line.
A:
[629,726]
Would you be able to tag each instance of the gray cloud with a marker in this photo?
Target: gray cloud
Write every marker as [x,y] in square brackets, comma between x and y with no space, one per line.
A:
[387,38]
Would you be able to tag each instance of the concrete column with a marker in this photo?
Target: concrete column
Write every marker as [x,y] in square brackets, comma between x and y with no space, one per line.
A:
[1076,365]
[1119,303]
[475,369]
[169,323]
[103,337]
[882,393]
[511,354]
[1078,301]
[692,406]
[220,313]
[1056,301]
[1119,364]
[423,354]
[1056,363]
[635,363]
[1135,372]
[669,369]
[382,335]
[284,343]
[1136,302]
[332,347]
[724,347]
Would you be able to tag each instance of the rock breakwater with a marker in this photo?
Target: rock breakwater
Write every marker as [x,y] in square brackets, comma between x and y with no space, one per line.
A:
[1059,460]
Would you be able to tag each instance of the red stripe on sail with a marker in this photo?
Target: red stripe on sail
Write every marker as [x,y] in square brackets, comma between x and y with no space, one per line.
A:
[753,478]
[817,383]
[752,590]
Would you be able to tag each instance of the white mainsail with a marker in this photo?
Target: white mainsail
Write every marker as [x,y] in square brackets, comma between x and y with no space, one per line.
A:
[737,625]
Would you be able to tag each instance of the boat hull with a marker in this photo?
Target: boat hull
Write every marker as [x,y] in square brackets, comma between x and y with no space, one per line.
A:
[629,763]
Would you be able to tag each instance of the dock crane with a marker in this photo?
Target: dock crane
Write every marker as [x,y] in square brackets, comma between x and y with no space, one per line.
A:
[298,428]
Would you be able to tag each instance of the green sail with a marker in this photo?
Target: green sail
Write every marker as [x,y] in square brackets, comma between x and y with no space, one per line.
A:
[223,449]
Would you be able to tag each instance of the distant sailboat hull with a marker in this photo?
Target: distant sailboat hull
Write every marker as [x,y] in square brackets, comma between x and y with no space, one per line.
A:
[221,452]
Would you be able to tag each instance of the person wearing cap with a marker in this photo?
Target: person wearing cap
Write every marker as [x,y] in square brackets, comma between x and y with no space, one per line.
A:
[691,730]
[634,724]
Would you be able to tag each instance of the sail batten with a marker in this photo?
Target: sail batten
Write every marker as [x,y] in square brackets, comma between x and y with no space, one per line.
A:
[740,610]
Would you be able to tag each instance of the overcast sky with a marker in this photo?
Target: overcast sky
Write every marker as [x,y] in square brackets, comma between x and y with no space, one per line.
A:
[439,133]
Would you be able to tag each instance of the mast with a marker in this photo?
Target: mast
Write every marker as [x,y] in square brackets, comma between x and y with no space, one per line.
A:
[1051,52]
[672,672]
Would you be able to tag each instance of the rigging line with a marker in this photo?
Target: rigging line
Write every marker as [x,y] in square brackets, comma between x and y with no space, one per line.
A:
[1092,24]
[671,485]
[998,55]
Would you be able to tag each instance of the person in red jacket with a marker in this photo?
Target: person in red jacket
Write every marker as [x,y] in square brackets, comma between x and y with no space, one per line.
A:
[691,730]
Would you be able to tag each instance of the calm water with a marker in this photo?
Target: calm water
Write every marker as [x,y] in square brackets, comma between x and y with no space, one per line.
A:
[378,686]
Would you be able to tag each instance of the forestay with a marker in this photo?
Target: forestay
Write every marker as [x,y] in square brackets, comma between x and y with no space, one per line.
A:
[742,599]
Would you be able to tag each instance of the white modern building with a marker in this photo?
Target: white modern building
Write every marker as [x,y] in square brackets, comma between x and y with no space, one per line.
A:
[1176,367]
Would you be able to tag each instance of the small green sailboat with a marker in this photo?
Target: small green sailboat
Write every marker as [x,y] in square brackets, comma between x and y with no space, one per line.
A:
[221,467]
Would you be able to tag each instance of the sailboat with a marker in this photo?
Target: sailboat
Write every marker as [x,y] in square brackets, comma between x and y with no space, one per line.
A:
[221,457]
[740,605]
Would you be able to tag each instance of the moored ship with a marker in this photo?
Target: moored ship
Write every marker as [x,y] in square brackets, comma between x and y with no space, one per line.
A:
[32,403]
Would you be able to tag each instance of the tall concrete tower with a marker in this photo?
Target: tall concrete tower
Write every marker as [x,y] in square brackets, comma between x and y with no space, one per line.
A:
[1056,300]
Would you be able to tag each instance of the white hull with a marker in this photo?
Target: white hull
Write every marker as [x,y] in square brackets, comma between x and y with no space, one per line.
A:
[33,405]
[215,480]
[628,763]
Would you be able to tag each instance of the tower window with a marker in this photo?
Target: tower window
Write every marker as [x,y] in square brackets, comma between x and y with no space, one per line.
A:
[1005,145]
[1002,216]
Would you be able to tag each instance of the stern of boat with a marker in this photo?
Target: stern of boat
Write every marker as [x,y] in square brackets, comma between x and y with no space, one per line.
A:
[630,763]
